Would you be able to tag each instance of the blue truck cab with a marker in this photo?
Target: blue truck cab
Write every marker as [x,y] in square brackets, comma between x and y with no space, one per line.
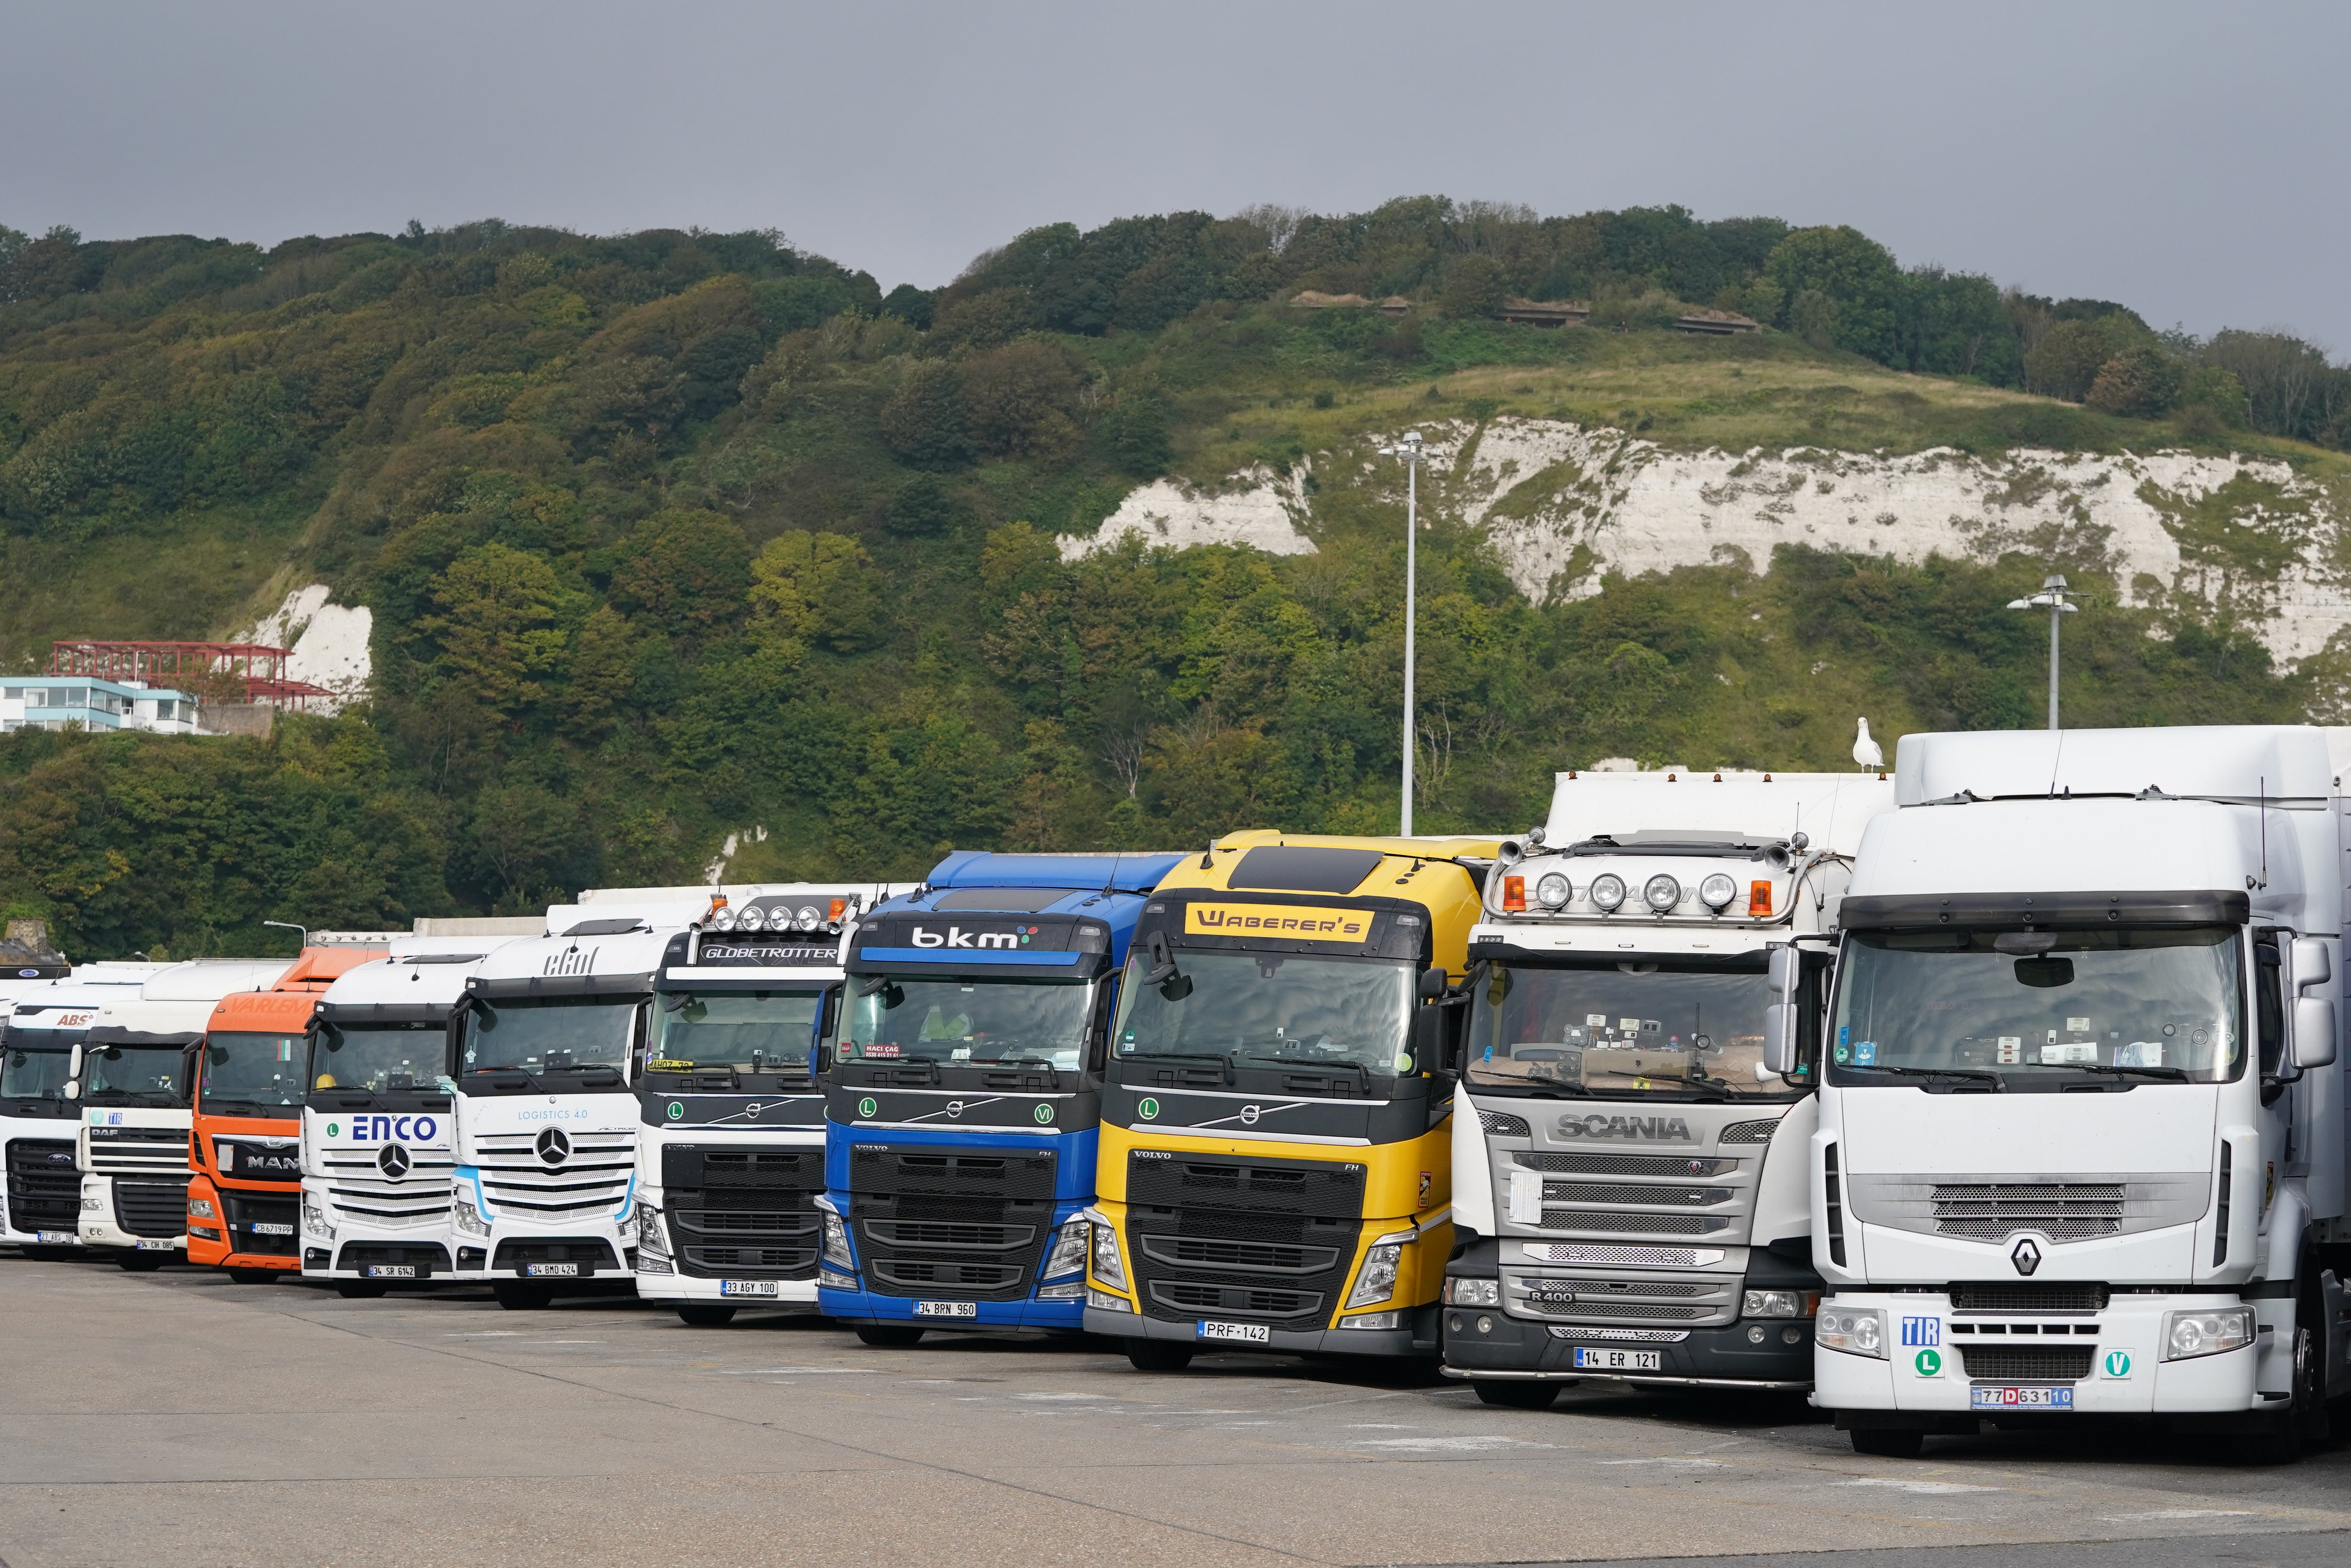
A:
[962,1068]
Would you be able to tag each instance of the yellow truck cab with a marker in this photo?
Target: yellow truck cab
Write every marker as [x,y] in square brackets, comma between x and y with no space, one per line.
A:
[1275,1172]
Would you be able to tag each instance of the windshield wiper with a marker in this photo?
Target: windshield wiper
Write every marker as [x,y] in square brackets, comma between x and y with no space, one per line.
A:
[1963,1074]
[1548,1091]
[2169,1075]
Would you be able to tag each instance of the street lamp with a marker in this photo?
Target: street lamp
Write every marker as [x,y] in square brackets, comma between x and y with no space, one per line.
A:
[1411,450]
[2051,598]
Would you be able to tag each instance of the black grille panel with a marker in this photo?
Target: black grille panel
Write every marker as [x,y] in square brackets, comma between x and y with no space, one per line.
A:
[426,1258]
[244,1213]
[1316,1188]
[974,1249]
[744,1213]
[44,1185]
[2029,1362]
[1188,1300]
[1193,1252]
[1625,1164]
[146,1210]
[952,1172]
[1265,1239]
[2002,1295]
[1619,1223]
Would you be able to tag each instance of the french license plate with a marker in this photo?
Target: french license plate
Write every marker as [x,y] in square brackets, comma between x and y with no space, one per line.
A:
[750,1288]
[55,1238]
[946,1309]
[1598,1360]
[269,1228]
[1242,1333]
[2010,1397]
[392,1271]
[551,1270]
[145,1244]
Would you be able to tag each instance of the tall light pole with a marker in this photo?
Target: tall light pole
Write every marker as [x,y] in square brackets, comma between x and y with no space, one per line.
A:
[2051,598]
[1410,450]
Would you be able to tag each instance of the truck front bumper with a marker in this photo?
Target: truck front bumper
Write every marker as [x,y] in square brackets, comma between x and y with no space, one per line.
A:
[99,1227]
[863,1307]
[1766,1353]
[1418,1338]
[791,1295]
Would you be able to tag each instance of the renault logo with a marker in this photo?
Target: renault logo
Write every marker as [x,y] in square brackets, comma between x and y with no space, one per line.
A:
[553,1147]
[2026,1257]
[394,1161]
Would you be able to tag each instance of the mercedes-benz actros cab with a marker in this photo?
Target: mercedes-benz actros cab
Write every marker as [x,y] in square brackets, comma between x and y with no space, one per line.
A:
[38,1123]
[245,1150]
[2081,1142]
[963,1078]
[1276,1162]
[131,1080]
[1628,1178]
[731,1151]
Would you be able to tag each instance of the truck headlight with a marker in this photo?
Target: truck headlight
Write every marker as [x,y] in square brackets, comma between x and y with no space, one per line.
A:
[1779,1303]
[649,1240]
[1554,891]
[836,1244]
[315,1221]
[1376,1280]
[2188,1334]
[833,1282]
[1107,1268]
[1104,1302]
[468,1219]
[1717,892]
[1857,1331]
[1474,1293]
[207,1232]
[1607,892]
[200,1208]
[93,1205]
[1069,1254]
[1374,1320]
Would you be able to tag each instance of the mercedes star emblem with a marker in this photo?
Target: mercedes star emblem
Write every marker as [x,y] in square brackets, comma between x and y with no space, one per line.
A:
[2026,1257]
[553,1147]
[394,1161]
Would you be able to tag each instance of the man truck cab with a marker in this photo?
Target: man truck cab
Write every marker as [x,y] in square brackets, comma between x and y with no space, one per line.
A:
[42,1184]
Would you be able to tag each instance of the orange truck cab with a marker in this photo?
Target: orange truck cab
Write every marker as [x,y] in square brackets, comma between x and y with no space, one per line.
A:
[245,1155]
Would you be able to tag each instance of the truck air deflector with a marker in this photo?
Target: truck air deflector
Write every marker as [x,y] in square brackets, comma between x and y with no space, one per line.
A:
[1910,911]
[1298,868]
[933,957]
[560,985]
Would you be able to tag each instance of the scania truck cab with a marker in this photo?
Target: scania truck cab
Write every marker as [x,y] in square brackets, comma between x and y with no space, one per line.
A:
[1628,1179]
[42,1184]
[550,1041]
[131,1080]
[379,1119]
[731,1151]
[1276,1163]
[963,1089]
[245,1146]
[2081,1142]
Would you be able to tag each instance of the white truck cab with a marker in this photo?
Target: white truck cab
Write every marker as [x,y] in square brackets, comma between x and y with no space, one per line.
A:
[41,1183]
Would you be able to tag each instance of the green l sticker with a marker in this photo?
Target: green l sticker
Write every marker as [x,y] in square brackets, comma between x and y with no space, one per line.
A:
[676,1110]
[866,1107]
[1147,1108]
[1930,1364]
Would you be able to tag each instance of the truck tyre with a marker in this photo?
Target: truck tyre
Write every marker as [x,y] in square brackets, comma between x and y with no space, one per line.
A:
[1886,1443]
[139,1262]
[352,1292]
[700,1315]
[889,1336]
[254,1276]
[1158,1355]
[1515,1395]
[518,1295]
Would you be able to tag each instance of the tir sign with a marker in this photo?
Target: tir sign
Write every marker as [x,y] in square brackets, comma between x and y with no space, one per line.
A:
[1758,899]
[1514,893]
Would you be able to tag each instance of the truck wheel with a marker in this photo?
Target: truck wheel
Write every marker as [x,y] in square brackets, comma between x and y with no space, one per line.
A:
[139,1262]
[1515,1395]
[701,1316]
[2312,1421]
[517,1296]
[351,1291]
[1887,1444]
[254,1276]
[889,1336]
[1158,1355]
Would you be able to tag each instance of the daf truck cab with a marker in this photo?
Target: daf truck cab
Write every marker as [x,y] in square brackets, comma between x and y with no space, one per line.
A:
[245,1146]
[132,1077]
[963,1081]
[43,1184]
[2081,1144]
[732,1147]
[379,1119]
[1628,1187]
[549,1042]
[1276,1163]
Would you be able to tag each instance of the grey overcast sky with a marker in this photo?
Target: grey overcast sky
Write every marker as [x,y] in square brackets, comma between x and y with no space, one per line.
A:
[2186,160]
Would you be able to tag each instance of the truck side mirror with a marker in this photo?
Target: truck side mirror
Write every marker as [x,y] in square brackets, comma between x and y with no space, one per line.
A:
[2310,964]
[1432,983]
[1780,1034]
[2314,1030]
[72,1089]
[1427,1038]
[1784,970]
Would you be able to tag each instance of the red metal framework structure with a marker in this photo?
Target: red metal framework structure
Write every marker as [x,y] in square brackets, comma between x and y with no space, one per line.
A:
[232,672]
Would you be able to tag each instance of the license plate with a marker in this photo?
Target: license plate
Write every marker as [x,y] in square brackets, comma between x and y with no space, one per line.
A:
[154,1246]
[1593,1360]
[267,1228]
[750,1288]
[946,1309]
[1240,1333]
[55,1238]
[2016,1398]
[392,1271]
[551,1270]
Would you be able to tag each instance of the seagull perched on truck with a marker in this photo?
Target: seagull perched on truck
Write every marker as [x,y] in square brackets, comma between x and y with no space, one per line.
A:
[1867,752]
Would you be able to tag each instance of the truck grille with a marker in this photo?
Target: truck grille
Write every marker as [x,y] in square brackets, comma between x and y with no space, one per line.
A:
[244,1213]
[358,1189]
[1624,1164]
[2029,1362]
[742,1211]
[427,1258]
[44,1185]
[139,1151]
[1705,1299]
[146,1210]
[1644,1224]
[969,1223]
[1264,1239]
[590,1181]
[1595,1193]
[2063,1211]
[2024,1296]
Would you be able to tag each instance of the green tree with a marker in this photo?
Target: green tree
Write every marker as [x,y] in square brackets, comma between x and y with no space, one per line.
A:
[1842,288]
[813,588]
[925,420]
[495,626]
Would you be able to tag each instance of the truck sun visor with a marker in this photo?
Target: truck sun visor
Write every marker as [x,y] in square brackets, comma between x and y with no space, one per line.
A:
[1909,912]
[1304,868]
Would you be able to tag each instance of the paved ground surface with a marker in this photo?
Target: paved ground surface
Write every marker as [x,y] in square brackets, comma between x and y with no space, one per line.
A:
[178,1418]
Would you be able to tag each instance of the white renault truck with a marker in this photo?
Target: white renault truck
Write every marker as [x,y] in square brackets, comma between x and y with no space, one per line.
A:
[2081,1142]
[131,1079]
[732,1145]
[1628,1199]
[38,1176]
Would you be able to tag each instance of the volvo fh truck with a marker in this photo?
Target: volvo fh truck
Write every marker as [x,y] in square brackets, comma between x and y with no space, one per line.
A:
[963,1084]
[378,1117]
[731,1151]
[2081,1144]
[245,1146]
[131,1080]
[1276,1163]
[1628,1178]
[42,1183]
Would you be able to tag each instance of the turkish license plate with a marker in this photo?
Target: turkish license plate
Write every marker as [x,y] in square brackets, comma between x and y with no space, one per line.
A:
[392,1271]
[270,1227]
[1591,1360]
[750,1288]
[946,1309]
[551,1270]
[1242,1332]
[55,1238]
[147,1245]
[2014,1397]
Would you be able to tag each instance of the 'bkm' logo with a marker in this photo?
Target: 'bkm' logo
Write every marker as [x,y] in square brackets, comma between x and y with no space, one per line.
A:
[957,937]
[394,1161]
[552,1145]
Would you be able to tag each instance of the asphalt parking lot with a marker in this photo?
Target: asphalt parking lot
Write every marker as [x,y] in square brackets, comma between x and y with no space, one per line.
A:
[178,1418]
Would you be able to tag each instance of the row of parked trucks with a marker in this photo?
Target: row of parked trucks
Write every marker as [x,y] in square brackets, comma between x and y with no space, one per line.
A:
[2001,1088]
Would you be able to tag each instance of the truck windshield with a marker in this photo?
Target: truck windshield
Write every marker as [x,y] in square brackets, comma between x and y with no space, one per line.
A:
[29,1072]
[254,1069]
[749,1032]
[2026,1006]
[1627,1031]
[380,1057]
[980,1022]
[1255,1010]
[567,1035]
[135,1074]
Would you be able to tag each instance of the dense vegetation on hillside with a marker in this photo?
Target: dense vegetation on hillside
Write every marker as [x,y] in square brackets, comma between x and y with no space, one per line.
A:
[672,537]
